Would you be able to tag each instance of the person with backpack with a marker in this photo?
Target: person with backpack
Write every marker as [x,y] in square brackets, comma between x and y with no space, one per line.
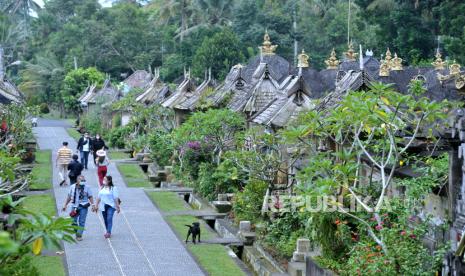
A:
[84,147]
[75,168]
[108,201]
[102,163]
[80,196]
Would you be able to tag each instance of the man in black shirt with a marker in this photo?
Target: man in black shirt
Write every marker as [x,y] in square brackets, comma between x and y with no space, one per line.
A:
[75,168]
[98,144]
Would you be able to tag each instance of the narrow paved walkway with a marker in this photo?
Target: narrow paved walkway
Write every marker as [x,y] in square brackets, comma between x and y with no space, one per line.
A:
[142,242]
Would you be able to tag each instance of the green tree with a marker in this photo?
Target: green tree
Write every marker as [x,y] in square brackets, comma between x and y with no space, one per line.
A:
[219,52]
[365,124]
[76,81]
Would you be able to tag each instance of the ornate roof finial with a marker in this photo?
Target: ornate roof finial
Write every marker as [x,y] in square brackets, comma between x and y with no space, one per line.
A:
[351,55]
[267,47]
[438,63]
[302,60]
[454,68]
[384,69]
[332,62]
[396,63]
[388,57]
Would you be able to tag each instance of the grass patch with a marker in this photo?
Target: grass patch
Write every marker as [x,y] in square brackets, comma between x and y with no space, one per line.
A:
[215,260]
[133,175]
[179,225]
[73,133]
[167,201]
[42,171]
[40,203]
[116,155]
[49,265]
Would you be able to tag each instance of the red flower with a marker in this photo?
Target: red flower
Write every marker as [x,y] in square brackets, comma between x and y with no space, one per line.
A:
[413,236]
[403,233]
[378,227]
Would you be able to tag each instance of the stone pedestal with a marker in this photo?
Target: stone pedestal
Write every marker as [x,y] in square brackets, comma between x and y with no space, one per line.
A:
[245,232]
[222,197]
[245,226]
[222,206]
[296,266]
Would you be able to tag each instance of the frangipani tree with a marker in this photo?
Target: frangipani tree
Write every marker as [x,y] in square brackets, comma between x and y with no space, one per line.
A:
[362,140]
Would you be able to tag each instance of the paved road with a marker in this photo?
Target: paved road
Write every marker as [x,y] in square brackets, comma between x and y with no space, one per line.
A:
[142,242]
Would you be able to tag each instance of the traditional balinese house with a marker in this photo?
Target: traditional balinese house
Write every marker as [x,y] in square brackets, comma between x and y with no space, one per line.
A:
[139,79]
[94,98]
[9,93]
[156,92]
[262,77]
[296,97]
[191,101]
[184,90]
[234,86]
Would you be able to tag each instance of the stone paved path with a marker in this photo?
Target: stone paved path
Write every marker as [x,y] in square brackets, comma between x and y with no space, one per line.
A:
[142,242]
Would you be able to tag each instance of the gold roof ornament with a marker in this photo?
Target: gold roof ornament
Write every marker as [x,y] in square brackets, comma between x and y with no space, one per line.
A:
[454,68]
[460,82]
[351,55]
[388,55]
[302,60]
[384,69]
[396,63]
[438,63]
[332,62]
[267,47]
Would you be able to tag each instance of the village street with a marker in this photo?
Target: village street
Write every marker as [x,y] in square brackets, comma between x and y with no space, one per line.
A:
[142,242]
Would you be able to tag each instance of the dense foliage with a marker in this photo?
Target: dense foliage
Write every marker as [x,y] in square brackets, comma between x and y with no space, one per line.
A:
[199,34]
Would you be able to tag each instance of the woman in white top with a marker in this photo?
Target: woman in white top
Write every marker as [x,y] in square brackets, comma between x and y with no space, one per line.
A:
[108,202]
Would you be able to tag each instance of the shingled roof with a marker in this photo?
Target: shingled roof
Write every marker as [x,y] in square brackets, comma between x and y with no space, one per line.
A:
[287,106]
[156,92]
[186,88]
[138,79]
[9,93]
[189,101]
[107,94]
[266,89]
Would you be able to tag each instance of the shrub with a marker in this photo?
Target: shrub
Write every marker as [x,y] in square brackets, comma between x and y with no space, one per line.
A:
[43,108]
[282,233]
[217,180]
[92,123]
[161,147]
[117,137]
[248,203]
[20,266]
[116,120]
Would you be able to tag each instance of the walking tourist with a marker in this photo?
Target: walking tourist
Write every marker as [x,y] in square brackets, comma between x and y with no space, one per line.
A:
[80,196]
[108,202]
[98,144]
[63,158]
[84,147]
[75,168]
[102,163]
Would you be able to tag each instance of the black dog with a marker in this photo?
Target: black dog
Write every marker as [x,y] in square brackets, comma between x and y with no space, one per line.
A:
[194,229]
